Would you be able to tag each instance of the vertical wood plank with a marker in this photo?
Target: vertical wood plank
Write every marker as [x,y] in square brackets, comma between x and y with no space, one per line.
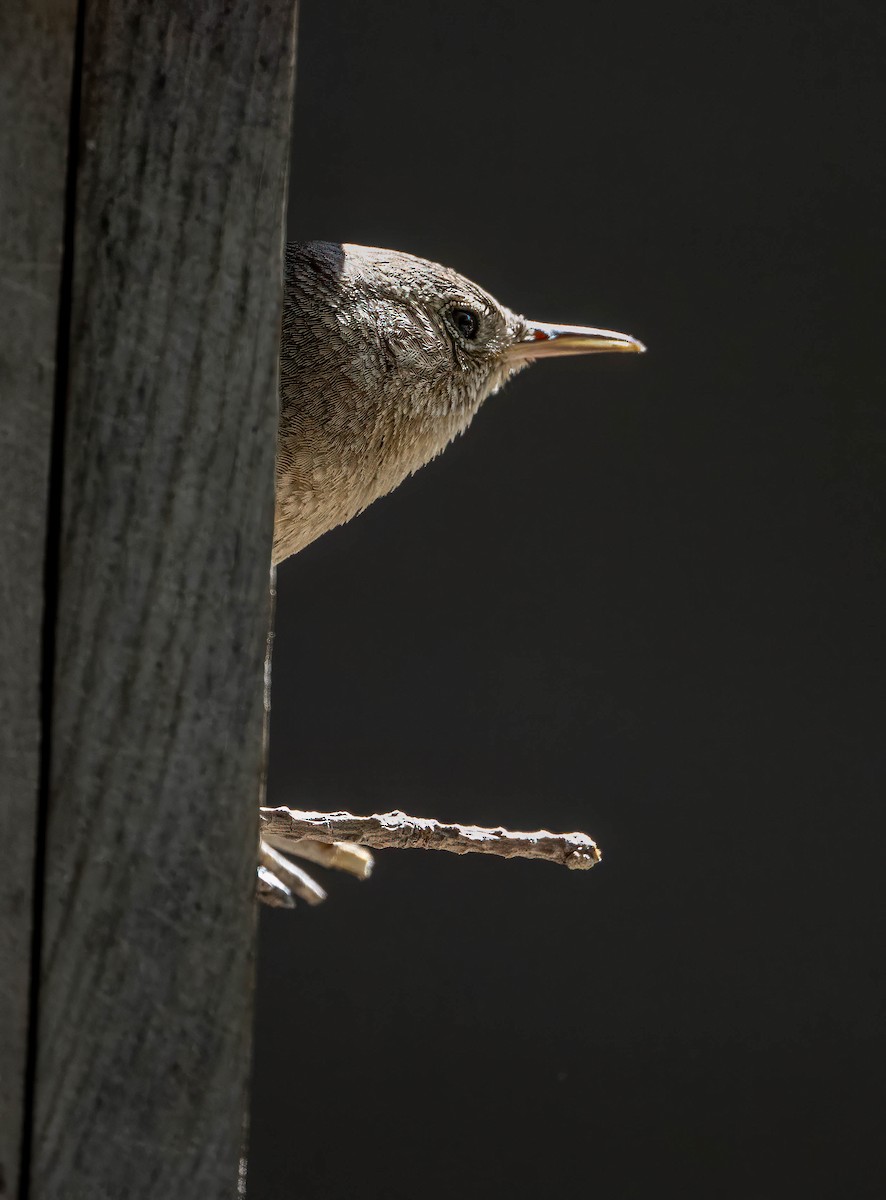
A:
[144,1005]
[36,52]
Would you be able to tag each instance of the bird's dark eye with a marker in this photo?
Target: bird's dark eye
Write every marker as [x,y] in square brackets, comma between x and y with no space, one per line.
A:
[466,322]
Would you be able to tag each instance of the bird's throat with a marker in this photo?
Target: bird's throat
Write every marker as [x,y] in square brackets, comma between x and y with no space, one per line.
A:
[329,471]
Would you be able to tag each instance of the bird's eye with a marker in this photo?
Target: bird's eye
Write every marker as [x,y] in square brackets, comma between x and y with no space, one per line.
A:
[466,322]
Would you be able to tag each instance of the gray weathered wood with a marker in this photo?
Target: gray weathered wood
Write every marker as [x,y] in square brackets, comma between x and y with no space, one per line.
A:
[144,1002]
[36,50]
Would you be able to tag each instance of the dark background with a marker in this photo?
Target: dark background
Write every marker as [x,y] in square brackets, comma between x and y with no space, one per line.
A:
[642,597]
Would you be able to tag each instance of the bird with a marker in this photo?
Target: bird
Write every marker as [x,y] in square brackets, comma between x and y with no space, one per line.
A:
[385,358]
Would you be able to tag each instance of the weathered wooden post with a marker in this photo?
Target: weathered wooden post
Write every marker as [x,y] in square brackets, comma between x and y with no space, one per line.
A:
[142,178]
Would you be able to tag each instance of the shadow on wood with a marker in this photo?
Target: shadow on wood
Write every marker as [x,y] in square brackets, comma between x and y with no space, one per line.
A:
[141,324]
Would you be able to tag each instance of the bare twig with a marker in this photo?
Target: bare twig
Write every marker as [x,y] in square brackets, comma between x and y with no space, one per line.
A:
[395,829]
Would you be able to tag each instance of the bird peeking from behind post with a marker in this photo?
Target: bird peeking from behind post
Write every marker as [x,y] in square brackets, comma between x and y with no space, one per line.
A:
[384,359]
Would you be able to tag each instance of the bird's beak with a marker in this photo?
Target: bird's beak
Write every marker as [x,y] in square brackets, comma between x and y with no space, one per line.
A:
[548,341]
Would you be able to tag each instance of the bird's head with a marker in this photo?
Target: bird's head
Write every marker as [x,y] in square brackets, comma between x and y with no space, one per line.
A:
[385,358]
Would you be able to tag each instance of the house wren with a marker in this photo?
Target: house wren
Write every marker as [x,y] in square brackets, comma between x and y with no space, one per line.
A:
[385,358]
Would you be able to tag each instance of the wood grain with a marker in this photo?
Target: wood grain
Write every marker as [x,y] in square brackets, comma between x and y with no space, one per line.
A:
[144,1006]
[36,54]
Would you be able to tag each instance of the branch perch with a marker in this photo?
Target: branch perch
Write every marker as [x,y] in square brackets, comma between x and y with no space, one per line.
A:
[283,826]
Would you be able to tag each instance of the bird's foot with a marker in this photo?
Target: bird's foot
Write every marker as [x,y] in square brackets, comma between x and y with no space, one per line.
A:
[280,882]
